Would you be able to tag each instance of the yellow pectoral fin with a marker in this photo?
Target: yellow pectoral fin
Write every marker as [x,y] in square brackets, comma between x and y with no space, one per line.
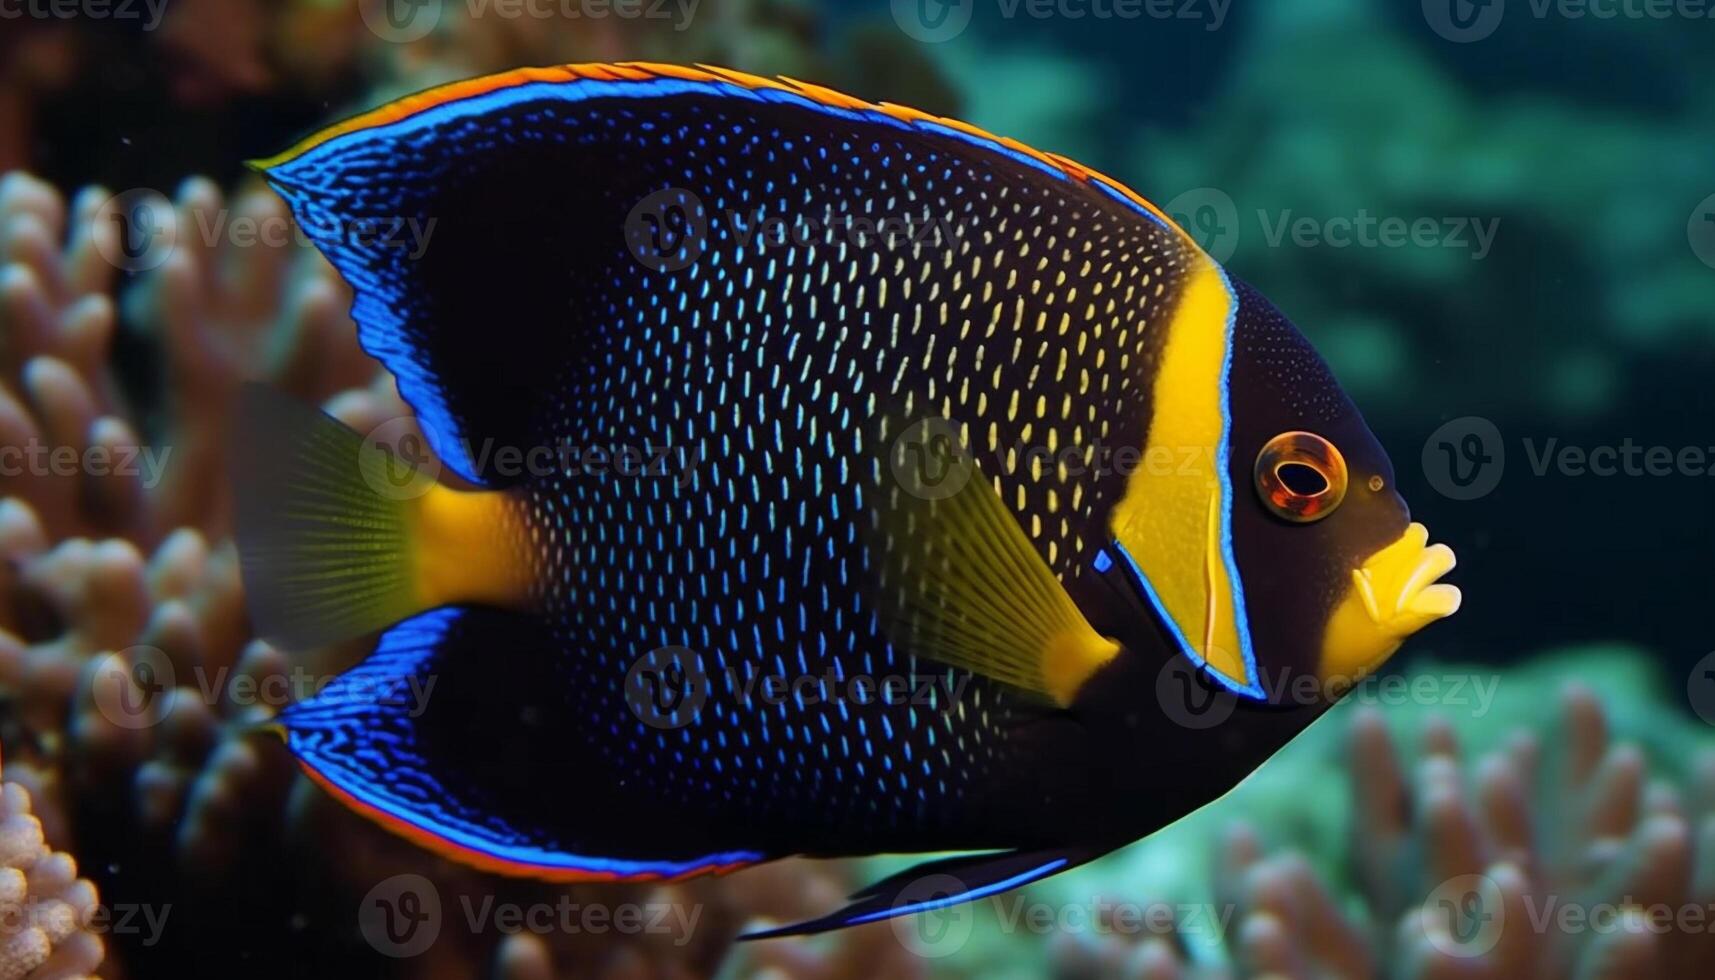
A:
[1071,658]
[961,584]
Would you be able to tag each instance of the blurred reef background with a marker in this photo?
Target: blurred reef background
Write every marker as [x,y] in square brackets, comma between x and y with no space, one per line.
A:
[1588,319]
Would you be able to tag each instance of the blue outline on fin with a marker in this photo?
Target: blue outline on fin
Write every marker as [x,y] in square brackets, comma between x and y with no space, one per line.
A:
[1223,459]
[583,89]
[401,651]
[419,386]
[981,891]
[1253,691]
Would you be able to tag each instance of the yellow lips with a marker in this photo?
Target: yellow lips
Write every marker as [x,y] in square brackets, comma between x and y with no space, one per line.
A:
[1394,594]
[1398,584]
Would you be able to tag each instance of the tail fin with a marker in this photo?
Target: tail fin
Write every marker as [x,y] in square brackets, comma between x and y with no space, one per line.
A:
[325,554]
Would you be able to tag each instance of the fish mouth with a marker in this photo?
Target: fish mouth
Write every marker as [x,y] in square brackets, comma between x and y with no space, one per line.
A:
[1400,585]
[1396,592]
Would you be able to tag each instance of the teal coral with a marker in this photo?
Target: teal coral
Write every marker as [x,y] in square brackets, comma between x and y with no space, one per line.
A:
[1587,803]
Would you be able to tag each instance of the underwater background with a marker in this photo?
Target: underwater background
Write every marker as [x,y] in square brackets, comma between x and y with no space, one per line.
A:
[1496,220]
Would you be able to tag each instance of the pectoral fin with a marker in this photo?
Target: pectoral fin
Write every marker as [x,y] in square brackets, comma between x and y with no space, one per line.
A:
[960,581]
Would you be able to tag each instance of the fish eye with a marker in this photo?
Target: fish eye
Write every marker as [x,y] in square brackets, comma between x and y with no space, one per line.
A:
[1300,476]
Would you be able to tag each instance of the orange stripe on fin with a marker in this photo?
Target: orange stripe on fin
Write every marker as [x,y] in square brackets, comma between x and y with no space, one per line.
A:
[411,105]
[828,96]
[488,862]
[741,78]
[628,72]
[644,70]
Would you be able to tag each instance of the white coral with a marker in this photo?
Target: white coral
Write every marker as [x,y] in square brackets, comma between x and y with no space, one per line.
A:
[46,910]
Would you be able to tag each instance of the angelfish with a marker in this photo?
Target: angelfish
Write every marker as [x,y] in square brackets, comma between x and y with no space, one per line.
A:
[1042,458]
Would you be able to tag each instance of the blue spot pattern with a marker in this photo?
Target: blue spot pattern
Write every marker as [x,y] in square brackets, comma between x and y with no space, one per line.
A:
[1028,318]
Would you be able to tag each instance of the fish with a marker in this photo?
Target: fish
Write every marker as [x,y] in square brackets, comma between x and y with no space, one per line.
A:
[804,476]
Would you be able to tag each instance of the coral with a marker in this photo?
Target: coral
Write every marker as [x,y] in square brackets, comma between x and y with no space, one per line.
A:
[107,564]
[131,684]
[56,325]
[1578,862]
[50,915]
[124,647]
[231,305]
[233,298]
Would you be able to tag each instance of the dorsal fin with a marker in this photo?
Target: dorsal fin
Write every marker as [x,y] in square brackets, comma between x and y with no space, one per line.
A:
[643,71]
[485,225]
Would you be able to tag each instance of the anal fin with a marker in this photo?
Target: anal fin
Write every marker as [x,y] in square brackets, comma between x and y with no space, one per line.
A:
[456,734]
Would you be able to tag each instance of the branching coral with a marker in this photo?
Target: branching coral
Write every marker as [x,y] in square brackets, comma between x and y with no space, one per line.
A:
[231,299]
[1575,863]
[124,647]
[130,680]
[106,559]
[237,300]
[49,914]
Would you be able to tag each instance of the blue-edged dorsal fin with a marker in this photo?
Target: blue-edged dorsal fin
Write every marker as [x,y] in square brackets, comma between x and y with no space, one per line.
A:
[506,236]
[939,884]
